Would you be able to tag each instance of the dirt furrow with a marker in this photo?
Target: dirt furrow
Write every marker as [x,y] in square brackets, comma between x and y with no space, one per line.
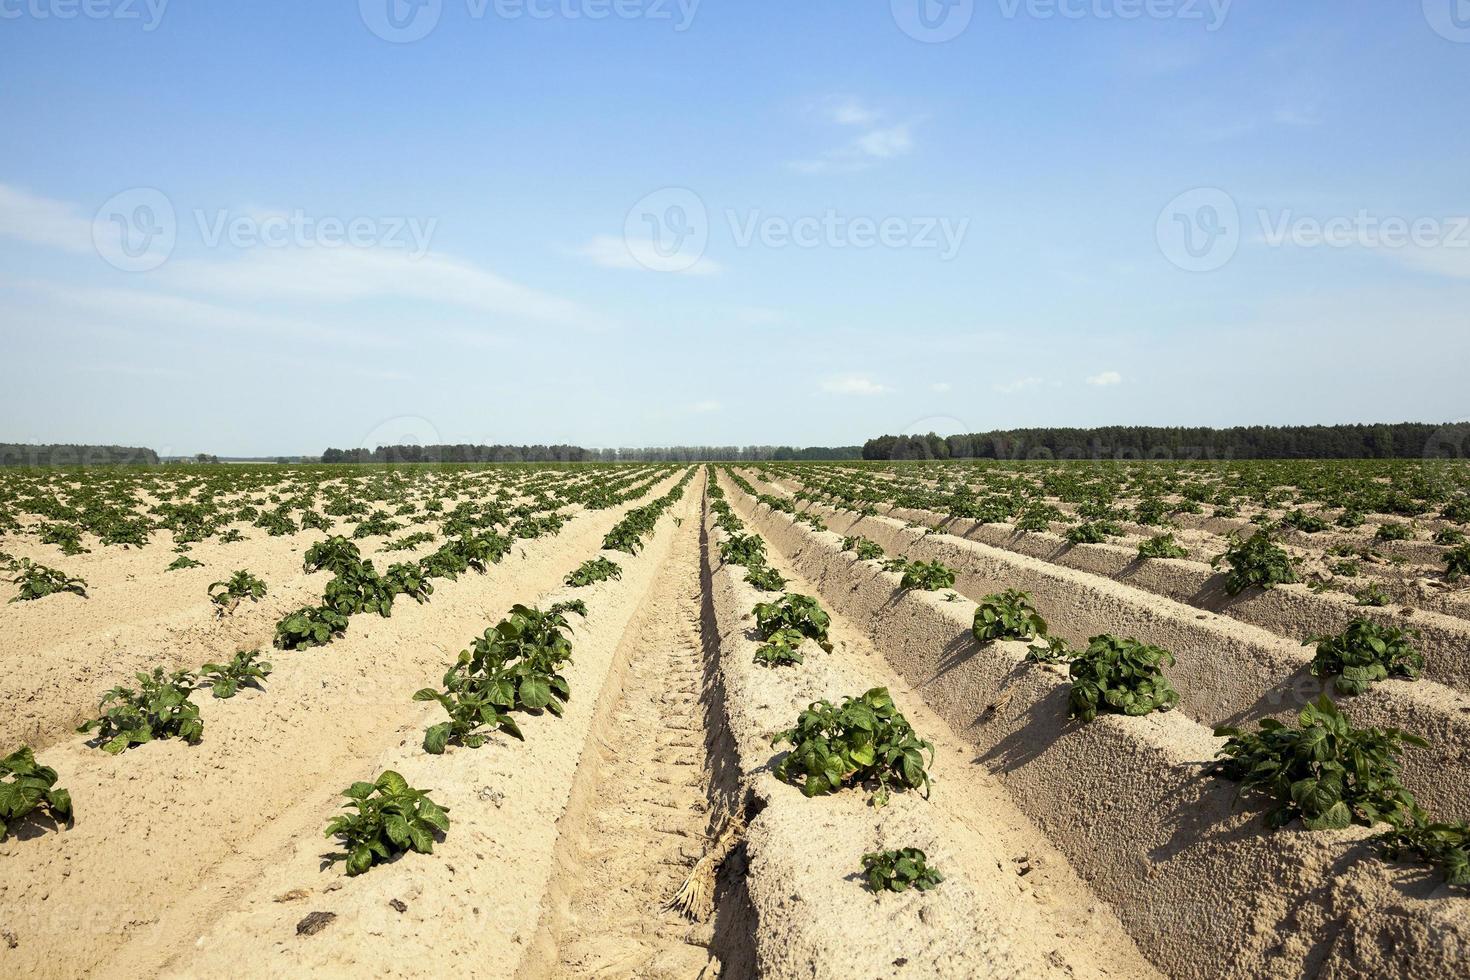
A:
[641,813]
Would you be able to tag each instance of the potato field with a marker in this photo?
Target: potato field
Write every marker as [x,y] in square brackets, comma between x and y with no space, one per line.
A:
[835,720]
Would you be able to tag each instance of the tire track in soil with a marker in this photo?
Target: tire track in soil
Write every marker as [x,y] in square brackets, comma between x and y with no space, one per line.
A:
[648,814]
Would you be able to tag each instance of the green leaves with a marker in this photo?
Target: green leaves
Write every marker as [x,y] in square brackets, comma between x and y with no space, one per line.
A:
[391,818]
[1457,563]
[513,667]
[1325,772]
[592,571]
[242,671]
[1257,562]
[783,650]
[27,787]
[800,613]
[1007,615]
[38,581]
[1120,676]
[865,549]
[159,708]
[1364,654]
[312,626]
[864,739]
[930,575]
[1445,846]
[1162,546]
[743,549]
[239,587]
[900,870]
[332,555]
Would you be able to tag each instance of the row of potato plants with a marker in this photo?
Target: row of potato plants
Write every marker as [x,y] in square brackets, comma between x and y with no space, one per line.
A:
[514,667]
[863,741]
[1324,771]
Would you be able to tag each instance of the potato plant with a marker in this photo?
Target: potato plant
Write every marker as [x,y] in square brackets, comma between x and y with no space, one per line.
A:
[1007,615]
[38,581]
[900,870]
[332,555]
[243,670]
[1120,676]
[782,650]
[743,549]
[1444,846]
[27,787]
[1256,562]
[1365,653]
[390,818]
[765,578]
[159,708]
[1324,771]
[865,549]
[311,626]
[594,570]
[182,562]
[795,612]
[928,575]
[1457,563]
[863,739]
[1161,546]
[228,595]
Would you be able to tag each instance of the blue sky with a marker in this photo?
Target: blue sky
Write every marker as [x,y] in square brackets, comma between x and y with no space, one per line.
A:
[721,222]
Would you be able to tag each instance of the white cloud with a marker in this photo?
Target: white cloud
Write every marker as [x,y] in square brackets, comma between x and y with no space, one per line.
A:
[1020,384]
[705,407]
[1106,379]
[853,384]
[882,140]
[42,221]
[941,386]
[612,252]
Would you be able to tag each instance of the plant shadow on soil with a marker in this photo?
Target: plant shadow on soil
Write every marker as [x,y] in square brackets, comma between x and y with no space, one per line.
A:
[35,825]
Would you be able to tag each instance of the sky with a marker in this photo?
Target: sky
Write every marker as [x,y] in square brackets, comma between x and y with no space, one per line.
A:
[274,227]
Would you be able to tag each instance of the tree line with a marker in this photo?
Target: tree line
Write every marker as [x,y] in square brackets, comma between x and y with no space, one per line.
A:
[576,454]
[19,454]
[1403,440]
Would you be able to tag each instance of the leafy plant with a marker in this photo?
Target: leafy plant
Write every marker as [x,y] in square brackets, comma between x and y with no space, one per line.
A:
[1372,594]
[930,575]
[900,870]
[1457,563]
[38,581]
[1365,653]
[594,570]
[1449,536]
[1304,522]
[406,578]
[183,562]
[332,555]
[743,549]
[1257,561]
[1445,846]
[1162,546]
[864,739]
[359,588]
[472,706]
[409,541]
[392,818]
[796,612]
[865,549]
[1007,615]
[159,708]
[27,787]
[1052,650]
[1120,676]
[312,626]
[1093,532]
[765,578]
[243,670]
[783,650]
[235,590]
[1325,771]
[1394,531]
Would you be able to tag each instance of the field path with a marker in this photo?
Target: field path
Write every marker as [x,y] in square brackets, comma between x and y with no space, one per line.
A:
[644,805]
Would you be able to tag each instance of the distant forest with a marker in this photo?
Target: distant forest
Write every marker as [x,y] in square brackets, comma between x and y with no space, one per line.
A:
[17,454]
[1404,440]
[576,454]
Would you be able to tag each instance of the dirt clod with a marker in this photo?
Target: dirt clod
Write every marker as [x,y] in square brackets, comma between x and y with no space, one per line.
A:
[314,923]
